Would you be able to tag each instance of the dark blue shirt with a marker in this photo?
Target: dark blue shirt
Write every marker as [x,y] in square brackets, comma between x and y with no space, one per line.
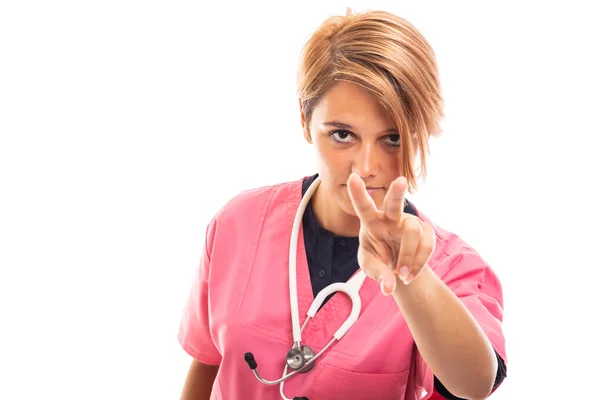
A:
[333,259]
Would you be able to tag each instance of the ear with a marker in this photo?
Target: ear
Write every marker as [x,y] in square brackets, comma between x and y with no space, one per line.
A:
[304,124]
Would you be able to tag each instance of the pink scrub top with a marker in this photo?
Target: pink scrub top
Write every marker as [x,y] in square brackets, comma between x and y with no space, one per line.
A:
[240,302]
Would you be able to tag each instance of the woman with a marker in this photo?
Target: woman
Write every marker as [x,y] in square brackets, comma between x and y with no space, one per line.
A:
[429,322]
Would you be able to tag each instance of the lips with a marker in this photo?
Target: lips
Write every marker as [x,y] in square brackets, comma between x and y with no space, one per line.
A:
[372,190]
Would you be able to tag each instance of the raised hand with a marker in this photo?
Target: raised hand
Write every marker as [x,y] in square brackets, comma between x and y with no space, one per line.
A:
[392,242]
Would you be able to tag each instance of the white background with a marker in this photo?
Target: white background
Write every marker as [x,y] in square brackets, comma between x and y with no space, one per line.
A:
[126,124]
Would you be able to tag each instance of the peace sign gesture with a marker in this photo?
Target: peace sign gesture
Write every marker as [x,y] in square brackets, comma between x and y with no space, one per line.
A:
[392,243]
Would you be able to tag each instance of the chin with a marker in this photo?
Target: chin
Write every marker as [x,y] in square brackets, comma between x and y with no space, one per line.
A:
[349,209]
[346,204]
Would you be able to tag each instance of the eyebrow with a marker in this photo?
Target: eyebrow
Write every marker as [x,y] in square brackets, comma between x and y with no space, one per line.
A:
[342,125]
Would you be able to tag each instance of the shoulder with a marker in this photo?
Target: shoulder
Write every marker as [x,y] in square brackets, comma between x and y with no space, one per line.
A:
[247,210]
[449,242]
[250,201]
[455,258]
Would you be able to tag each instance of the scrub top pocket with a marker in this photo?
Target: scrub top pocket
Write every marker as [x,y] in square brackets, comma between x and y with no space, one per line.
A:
[334,383]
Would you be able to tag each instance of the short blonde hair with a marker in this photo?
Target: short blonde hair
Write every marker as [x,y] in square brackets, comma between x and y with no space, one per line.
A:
[387,56]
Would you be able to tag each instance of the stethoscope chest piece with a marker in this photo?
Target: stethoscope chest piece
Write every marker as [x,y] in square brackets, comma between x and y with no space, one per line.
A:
[297,357]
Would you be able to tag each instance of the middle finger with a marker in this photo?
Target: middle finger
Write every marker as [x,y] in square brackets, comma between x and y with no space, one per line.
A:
[409,243]
[393,204]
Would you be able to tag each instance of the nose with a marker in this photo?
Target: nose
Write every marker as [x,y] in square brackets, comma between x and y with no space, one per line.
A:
[366,162]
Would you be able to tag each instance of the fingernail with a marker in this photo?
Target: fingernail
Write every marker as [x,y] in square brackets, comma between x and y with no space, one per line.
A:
[403,272]
[382,285]
[408,279]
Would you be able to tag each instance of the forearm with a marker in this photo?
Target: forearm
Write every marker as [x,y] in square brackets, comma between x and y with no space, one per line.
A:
[199,381]
[449,339]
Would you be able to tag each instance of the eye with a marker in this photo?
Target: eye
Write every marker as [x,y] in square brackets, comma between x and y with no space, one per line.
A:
[341,136]
[393,140]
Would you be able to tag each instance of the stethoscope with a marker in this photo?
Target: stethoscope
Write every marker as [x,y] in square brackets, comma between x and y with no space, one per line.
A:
[301,358]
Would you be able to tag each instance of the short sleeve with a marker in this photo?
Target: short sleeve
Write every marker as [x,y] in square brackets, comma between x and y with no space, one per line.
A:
[478,287]
[194,330]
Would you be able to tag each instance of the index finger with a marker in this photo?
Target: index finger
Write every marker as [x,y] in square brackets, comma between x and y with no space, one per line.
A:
[365,207]
[393,203]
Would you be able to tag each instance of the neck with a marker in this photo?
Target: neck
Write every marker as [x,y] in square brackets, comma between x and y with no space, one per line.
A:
[331,217]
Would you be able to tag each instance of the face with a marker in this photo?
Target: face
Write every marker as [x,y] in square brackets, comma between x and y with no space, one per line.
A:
[352,133]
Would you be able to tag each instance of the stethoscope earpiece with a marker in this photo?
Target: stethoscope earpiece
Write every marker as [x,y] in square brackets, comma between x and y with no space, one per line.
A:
[249,358]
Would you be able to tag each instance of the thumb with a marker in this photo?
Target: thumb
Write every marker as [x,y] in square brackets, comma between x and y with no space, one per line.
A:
[387,280]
